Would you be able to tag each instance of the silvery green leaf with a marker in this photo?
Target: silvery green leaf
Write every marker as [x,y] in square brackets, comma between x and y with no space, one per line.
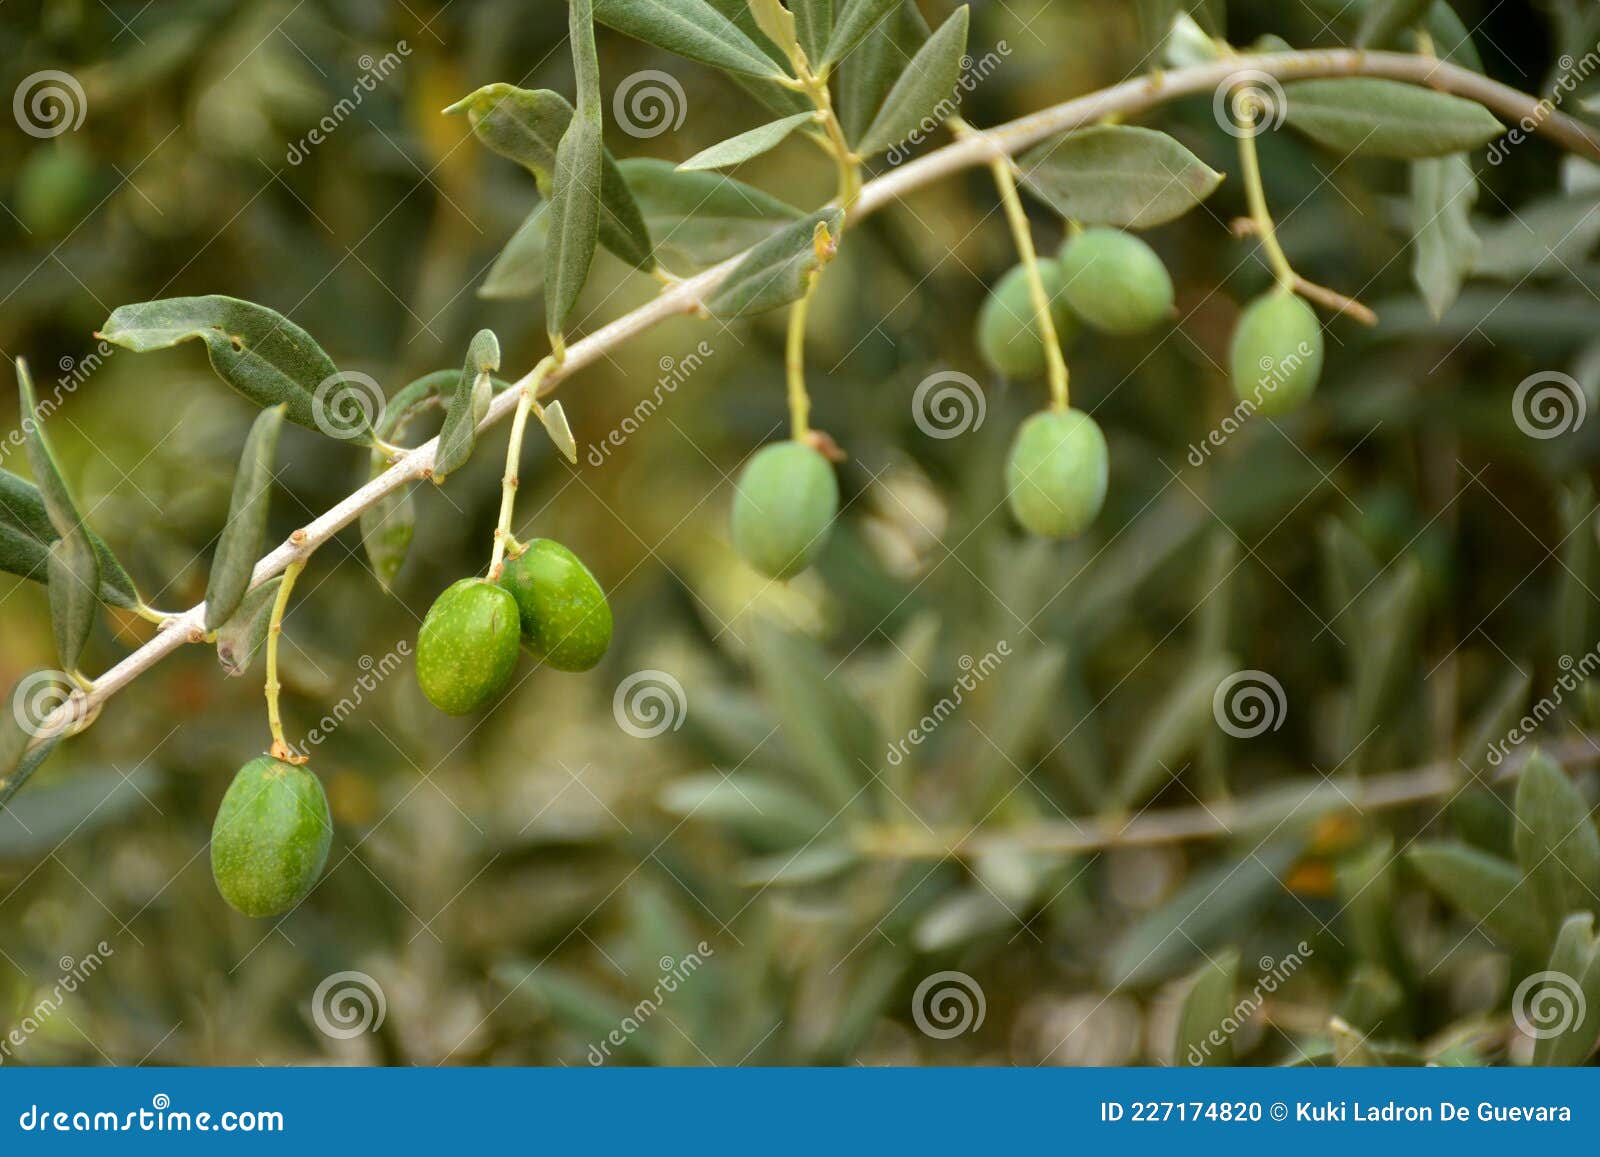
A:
[918,96]
[777,271]
[760,809]
[26,532]
[1488,891]
[751,143]
[575,183]
[1557,846]
[703,218]
[1186,43]
[554,419]
[855,22]
[1385,118]
[1366,885]
[1117,175]
[257,351]
[777,23]
[1549,236]
[867,73]
[17,763]
[1444,247]
[1495,719]
[468,401]
[519,270]
[1173,728]
[807,865]
[240,638]
[1385,19]
[246,529]
[1203,1038]
[691,28]
[1571,989]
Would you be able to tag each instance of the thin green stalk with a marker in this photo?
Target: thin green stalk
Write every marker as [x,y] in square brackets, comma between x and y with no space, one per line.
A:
[1257,198]
[510,480]
[280,747]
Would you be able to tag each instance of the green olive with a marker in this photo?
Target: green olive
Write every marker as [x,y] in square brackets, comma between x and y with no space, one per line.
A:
[1008,330]
[1115,282]
[1056,473]
[566,621]
[784,509]
[271,837]
[1276,356]
[467,647]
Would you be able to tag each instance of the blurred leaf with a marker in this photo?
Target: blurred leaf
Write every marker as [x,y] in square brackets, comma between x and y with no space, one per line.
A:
[960,917]
[35,826]
[1488,890]
[240,544]
[1385,118]
[1172,728]
[1386,621]
[240,638]
[927,81]
[469,402]
[519,270]
[1494,721]
[808,865]
[1366,884]
[778,270]
[1384,19]
[856,20]
[868,73]
[593,1018]
[751,143]
[1118,175]
[575,182]
[705,217]
[1444,247]
[757,807]
[1557,846]
[1567,1014]
[1548,236]
[1207,1008]
[690,28]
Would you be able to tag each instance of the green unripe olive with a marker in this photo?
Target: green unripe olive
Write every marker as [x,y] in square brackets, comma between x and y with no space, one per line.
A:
[786,502]
[467,647]
[271,837]
[566,621]
[1008,330]
[1056,474]
[1115,282]
[1276,357]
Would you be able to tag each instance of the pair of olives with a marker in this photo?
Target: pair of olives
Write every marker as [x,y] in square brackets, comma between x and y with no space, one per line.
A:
[545,600]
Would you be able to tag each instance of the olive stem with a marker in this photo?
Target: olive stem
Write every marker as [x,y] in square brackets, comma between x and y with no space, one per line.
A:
[1022,234]
[1257,198]
[526,401]
[280,603]
[794,364]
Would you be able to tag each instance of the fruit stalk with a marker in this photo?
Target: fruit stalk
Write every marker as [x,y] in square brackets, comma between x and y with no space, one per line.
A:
[280,748]
[526,401]
[1256,196]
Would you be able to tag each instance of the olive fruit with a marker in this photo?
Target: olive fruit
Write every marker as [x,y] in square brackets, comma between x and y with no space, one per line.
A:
[566,621]
[786,501]
[467,647]
[1056,473]
[1008,329]
[271,837]
[1115,282]
[1276,357]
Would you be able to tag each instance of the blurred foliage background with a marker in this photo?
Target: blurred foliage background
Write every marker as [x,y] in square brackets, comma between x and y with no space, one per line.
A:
[1402,559]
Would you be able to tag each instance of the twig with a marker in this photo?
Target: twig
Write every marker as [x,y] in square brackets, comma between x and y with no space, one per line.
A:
[685,296]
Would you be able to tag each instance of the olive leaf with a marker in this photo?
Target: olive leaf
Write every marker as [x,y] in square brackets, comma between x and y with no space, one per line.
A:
[1175,725]
[554,420]
[469,401]
[246,529]
[526,126]
[745,145]
[777,23]
[857,20]
[1548,236]
[256,350]
[691,28]
[240,638]
[519,270]
[867,73]
[71,568]
[575,183]
[17,766]
[1488,890]
[1118,175]
[26,533]
[1385,19]
[1557,846]
[1385,118]
[919,94]
[703,217]
[759,808]
[1206,1007]
[813,20]
[778,270]
[1574,968]
[1444,247]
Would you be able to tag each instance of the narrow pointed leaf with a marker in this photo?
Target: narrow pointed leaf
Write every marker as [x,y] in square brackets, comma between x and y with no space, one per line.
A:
[918,95]
[26,532]
[240,638]
[691,28]
[776,271]
[246,530]
[1121,175]
[1205,1020]
[867,73]
[1557,846]
[813,20]
[468,401]
[1384,118]
[519,270]
[703,218]
[1444,248]
[1174,727]
[554,419]
[777,23]
[256,350]
[1487,890]
[13,779]
[575,182]
[747,144]
[1387,18]
[388,525]
[1567,1036]
[856,21]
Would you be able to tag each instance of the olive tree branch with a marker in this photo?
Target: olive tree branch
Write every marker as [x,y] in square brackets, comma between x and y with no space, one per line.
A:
[685,296]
